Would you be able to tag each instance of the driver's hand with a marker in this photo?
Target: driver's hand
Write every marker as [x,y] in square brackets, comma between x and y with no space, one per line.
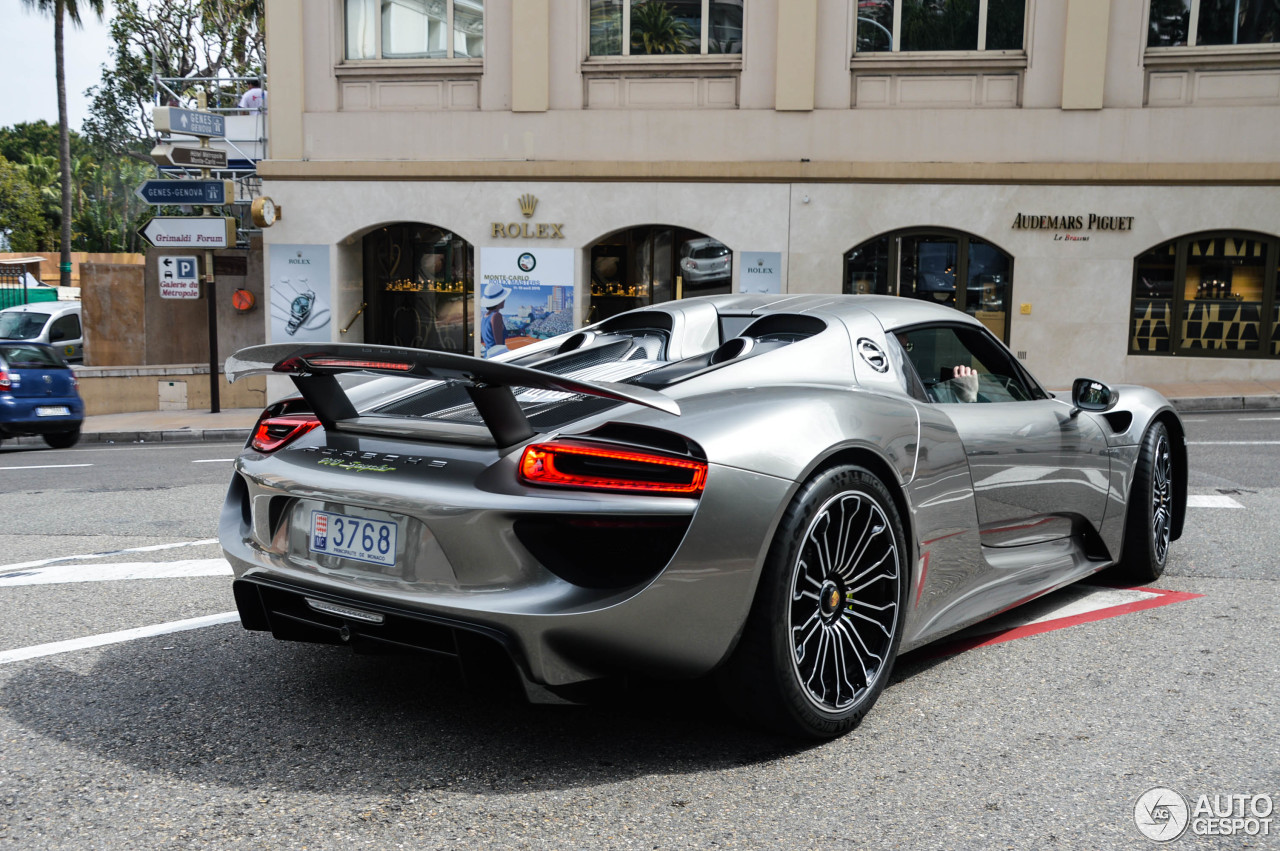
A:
[966,382]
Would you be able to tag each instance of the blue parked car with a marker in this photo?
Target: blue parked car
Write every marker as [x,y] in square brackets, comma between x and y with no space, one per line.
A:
[38,394]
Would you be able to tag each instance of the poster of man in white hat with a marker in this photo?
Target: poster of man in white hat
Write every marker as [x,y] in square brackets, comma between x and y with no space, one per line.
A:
[525,295]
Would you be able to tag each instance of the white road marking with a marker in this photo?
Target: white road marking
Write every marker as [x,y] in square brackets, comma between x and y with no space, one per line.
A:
[1255,419]
[38,650]
[1233,443]
[212,460]
[67,573]
[1068,602]
[1211,501]
[45,466]
[5,568]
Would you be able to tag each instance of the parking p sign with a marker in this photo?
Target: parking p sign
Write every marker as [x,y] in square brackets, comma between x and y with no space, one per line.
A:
[179,277]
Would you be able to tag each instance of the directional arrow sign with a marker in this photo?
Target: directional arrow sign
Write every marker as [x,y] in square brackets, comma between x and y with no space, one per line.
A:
[179,277]
[178,192]
[190,232]
[191,157]
[170,119]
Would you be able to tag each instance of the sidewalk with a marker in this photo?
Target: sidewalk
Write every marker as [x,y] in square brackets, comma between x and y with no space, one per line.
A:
[169,426]
[236,423]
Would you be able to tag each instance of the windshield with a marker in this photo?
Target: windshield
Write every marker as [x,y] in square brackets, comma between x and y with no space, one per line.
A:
[30,356]
[21,326]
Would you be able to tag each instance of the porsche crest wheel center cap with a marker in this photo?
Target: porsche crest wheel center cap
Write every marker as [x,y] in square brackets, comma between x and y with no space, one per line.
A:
[831,597]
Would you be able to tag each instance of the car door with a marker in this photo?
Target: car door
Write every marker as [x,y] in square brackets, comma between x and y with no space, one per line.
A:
[65,335]
[1037,471]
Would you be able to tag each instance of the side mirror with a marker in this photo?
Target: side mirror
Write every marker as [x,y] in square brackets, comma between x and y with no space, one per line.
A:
[1090,395]
[57,334]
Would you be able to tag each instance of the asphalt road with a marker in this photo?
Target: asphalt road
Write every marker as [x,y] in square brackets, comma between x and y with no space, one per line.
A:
[214,737]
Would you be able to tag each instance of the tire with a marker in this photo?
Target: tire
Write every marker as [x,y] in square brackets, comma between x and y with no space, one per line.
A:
[826,622]
[1149,525]
[62,439]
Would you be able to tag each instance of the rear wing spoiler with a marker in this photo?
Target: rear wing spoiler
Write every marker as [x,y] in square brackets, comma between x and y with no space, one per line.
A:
[314,369]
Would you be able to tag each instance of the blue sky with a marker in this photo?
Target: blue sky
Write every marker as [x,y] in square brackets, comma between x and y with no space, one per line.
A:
[26,65]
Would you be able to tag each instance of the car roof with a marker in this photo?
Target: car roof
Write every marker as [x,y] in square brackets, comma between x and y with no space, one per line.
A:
[53,308]
[890,311]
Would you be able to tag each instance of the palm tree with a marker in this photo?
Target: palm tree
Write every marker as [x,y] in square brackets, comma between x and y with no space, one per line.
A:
[655,30]
[60,10]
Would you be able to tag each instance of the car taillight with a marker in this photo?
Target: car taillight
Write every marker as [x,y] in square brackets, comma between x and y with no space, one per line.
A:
[585,466]
[5,382]
[274,432]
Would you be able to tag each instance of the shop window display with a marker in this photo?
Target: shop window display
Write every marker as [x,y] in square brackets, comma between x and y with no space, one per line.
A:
[665,27]
[912,26]
[926,264]
[655,263]
[419,283]
[1221,288]
[1218,23]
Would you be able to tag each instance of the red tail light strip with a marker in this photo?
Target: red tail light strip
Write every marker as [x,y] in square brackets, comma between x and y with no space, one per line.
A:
[574,465]
[274,432]
[317,361]
[349,363]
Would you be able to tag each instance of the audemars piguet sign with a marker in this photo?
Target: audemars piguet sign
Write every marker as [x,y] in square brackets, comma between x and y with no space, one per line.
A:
[527,230]
[1092,221]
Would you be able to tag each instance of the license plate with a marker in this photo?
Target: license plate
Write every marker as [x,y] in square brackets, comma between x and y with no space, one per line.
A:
[357,538]
[53,411]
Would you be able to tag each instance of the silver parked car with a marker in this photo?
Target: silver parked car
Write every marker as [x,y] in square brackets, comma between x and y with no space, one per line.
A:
[788,491]
[54,323]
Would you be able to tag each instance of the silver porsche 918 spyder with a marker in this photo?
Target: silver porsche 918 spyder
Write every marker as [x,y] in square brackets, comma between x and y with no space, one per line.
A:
[787,491]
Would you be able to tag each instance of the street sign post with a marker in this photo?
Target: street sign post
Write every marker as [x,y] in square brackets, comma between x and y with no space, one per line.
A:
[179,277]
[189,157]
[205,231]
[171,119]
[174,193]
[190,232]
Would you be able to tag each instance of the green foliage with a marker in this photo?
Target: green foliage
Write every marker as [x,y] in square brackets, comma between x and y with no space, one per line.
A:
[178,39]
[654,30]
[22,211]
[36,137]
[110,214]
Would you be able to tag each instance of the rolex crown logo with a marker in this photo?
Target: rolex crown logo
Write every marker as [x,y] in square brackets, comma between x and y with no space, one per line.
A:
[528,204]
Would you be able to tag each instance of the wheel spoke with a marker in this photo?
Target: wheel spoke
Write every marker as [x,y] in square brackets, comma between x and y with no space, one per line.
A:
[819,539]
[877,623]
[846,526]
[843,683]
[804,640]
[845,632]
[863,543]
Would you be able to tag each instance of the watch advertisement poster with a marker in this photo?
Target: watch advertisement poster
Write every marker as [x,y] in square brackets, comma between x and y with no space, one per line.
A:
[525,296]
[300,310]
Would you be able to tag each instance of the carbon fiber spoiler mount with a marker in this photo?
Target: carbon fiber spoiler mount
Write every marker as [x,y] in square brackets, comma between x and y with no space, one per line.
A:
[314,369]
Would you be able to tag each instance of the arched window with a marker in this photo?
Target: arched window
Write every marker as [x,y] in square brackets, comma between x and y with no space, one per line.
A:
[926,263]
[651,264]
[1220,286]
[418,284]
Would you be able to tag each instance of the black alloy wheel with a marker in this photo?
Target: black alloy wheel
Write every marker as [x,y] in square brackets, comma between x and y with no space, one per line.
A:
[826,624]
[1149,526]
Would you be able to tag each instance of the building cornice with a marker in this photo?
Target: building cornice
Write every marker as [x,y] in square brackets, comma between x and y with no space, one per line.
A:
[1243,174]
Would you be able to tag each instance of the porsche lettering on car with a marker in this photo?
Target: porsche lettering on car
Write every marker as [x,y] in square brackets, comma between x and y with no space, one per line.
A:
[784,492]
